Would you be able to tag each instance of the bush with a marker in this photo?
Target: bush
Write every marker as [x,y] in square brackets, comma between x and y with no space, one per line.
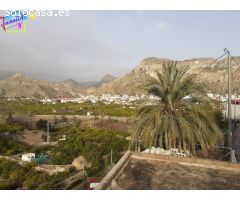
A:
[11,128]
[9,146]
[15,176]
[42,124]
[67,108]
[94,144]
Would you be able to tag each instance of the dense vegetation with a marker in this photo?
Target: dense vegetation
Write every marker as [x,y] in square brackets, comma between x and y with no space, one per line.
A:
[175,121]
[94,145]
[41,124]
[11,128]
[9,146]
[14,176]
[36,108]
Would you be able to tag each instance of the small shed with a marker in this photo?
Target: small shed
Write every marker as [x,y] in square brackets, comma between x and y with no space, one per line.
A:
[28,157]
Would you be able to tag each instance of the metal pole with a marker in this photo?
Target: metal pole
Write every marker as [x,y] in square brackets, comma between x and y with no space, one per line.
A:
[229,103]
[31,115]
[235,117]
[48,137]
[111,157]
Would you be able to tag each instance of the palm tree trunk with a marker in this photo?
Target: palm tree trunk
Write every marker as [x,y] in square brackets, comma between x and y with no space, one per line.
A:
[160,141]
[184,147]
[166,141]
[179,145]
[169,142]
[174,142]
[193,149]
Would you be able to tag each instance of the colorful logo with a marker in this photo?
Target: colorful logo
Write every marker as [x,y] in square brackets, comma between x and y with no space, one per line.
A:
[15,22]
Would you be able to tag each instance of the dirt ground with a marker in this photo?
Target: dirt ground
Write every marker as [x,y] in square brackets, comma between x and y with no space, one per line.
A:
[164,175]
[31,137]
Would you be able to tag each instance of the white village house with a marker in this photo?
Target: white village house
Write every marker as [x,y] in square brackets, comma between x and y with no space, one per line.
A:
[28,157]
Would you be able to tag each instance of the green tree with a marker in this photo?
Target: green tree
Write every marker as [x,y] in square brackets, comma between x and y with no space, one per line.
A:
[181,117]
[10,119]
[42,124]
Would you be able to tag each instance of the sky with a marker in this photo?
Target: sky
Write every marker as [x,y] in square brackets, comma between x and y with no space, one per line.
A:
[88,44]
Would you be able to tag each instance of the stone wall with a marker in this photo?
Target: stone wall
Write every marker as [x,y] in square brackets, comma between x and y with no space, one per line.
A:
[193,161]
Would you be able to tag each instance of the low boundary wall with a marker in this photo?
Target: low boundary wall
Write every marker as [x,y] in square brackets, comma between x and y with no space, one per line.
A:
[193,161]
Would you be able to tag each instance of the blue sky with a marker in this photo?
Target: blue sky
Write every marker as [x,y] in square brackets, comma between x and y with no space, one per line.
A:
[89,44]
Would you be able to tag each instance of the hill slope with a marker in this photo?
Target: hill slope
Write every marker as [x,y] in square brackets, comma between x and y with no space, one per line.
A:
[214,76]
[20,85]
[106,79]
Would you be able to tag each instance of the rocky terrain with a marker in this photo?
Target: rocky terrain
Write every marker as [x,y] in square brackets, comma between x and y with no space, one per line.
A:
[214,76]
[20,85]
[106,79]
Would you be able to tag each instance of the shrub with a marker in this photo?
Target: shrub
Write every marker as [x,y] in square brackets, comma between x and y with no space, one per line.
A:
[42,124]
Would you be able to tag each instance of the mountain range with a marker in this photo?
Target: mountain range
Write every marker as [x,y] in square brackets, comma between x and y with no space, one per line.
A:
[107,78]
[20,85]
[210,72]
[213,74]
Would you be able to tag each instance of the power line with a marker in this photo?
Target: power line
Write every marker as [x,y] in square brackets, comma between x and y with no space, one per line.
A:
[232,58]
[210,63]
[214,61]
[217,59]
[235,61]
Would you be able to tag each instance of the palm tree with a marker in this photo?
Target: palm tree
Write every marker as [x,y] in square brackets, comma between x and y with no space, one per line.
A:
[182,115]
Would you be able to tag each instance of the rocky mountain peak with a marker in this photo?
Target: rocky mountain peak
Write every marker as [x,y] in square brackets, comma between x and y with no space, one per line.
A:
[71,81]
[20,76]
[153,60]
[107,78]
[209,72]
[20,85]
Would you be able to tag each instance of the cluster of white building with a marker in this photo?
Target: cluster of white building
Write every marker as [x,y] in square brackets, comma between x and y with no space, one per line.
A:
[121,99]
[222,98]
[105,98]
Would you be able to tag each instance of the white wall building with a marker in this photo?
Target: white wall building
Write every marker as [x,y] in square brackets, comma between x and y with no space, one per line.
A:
[28,157]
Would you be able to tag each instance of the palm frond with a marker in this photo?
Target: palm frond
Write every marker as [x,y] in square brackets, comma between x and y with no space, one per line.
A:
[174,120]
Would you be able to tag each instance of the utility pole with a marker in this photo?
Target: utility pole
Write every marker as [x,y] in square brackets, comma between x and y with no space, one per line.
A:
[235,117]
[229,138]
[31,116]
[111,157]
[48,136]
